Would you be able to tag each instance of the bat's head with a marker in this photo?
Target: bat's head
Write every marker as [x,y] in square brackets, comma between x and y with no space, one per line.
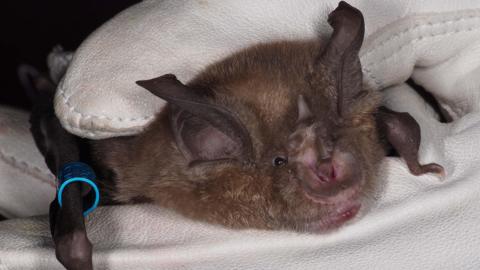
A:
[280,135]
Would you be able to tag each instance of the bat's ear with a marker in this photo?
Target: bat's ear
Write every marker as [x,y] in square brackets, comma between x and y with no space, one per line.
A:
[340,55]
[203,131]
[37,86]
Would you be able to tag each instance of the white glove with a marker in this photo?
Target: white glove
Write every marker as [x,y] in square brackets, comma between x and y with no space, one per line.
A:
[99,98]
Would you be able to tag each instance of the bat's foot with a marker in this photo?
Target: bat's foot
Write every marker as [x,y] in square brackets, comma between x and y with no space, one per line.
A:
[74,251]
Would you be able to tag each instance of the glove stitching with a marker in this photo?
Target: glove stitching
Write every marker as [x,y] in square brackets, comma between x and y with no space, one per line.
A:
[414,27]
[368,72]
[385,59]
[24,166]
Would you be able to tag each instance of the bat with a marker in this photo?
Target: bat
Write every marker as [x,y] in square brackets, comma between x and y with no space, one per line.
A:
[278,136]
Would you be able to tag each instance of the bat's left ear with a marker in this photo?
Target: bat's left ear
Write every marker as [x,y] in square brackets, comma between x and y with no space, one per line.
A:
[340,55]
[203,130]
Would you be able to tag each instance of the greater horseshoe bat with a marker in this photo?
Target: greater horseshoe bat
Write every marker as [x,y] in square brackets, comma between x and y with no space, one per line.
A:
[278,136]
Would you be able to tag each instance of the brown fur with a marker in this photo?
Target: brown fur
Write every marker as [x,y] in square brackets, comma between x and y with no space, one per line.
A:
[260,85]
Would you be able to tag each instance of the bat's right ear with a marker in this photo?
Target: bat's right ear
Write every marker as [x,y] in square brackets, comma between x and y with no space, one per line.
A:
[37,86]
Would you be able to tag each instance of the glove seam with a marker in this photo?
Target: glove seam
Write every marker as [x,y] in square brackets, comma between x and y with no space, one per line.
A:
[25,167]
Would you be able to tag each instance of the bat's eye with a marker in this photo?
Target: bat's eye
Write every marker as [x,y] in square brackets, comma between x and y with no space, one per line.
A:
[279,161]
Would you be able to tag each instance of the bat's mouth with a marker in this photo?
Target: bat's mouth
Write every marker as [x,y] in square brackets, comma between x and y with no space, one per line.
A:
[342,194]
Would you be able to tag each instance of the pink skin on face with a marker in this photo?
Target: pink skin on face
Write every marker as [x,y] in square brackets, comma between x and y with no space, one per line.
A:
[333,182]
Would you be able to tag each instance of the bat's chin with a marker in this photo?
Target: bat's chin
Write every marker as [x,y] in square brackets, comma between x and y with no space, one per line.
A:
[341,208]
[338,216]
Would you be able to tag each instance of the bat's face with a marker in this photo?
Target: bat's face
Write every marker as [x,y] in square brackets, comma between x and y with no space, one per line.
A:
[279,136]
[331,167]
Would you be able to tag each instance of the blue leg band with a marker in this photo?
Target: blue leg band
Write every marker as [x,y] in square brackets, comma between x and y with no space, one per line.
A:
[77,172]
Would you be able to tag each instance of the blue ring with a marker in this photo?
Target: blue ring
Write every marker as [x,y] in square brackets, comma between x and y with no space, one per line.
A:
[85,180]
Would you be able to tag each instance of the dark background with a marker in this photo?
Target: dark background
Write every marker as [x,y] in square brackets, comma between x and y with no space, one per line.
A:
[30,29]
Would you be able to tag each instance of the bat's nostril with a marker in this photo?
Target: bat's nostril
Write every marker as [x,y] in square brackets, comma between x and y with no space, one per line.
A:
[323,178]
[326,171]
[333,174]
